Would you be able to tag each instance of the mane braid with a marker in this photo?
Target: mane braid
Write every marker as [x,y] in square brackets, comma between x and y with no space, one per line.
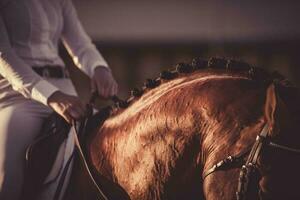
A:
[214,63]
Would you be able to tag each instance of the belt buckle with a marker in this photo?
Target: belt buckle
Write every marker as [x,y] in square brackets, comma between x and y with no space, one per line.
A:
[46,73]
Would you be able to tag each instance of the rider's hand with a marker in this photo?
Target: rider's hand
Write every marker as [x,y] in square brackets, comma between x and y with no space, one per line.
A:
[69,107]
[103,82]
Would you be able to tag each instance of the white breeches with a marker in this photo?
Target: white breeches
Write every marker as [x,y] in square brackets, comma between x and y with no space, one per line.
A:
[20,122]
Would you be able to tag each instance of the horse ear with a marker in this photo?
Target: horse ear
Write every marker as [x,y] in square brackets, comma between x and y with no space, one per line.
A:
[271,105]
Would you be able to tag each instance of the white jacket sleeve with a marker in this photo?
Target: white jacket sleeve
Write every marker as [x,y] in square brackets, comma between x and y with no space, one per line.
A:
[21,76]
[78,43]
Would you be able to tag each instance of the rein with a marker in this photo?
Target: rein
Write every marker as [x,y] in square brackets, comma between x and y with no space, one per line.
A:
[78,147]
[250,165]
[83,159]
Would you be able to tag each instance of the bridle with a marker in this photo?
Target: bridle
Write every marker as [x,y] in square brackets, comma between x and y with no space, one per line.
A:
[250,166]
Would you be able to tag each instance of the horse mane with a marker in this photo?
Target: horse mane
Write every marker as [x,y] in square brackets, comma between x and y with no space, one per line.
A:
[185,69]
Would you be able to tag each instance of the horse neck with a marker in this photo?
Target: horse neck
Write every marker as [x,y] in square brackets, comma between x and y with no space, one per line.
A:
[186,108]
[234,120]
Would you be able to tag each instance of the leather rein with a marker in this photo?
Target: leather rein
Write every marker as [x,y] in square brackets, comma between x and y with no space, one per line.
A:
[250,165]
[78,147]
[100,193]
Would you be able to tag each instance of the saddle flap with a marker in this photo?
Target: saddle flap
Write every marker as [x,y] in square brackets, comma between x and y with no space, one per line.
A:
[42,154]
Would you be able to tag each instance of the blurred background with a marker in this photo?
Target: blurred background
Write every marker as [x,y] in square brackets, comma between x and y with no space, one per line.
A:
[139,38]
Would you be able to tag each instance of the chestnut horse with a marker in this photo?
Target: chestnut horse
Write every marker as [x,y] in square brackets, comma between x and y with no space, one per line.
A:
[159,143]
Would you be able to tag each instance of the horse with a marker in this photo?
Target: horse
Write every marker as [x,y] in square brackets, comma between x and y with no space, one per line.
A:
[160,143]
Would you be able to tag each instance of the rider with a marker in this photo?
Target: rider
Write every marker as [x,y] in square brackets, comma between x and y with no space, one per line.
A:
[33,82]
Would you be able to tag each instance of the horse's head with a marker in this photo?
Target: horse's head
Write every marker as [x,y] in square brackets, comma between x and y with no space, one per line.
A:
[280,167]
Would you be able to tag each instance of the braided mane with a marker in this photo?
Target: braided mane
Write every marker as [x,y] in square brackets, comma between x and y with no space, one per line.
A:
[185,69]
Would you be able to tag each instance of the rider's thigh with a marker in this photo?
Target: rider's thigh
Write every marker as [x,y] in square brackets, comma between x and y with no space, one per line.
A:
[20,123]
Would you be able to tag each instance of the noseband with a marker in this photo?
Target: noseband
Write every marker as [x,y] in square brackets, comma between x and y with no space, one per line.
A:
[250,165]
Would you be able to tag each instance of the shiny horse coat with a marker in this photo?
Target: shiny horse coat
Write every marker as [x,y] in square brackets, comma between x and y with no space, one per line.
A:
[181,124]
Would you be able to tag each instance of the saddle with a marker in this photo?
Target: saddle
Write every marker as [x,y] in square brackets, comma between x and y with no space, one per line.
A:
[41,154]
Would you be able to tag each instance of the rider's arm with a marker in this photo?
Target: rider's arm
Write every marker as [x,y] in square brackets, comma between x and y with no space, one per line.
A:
[21,76]
[78,43]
